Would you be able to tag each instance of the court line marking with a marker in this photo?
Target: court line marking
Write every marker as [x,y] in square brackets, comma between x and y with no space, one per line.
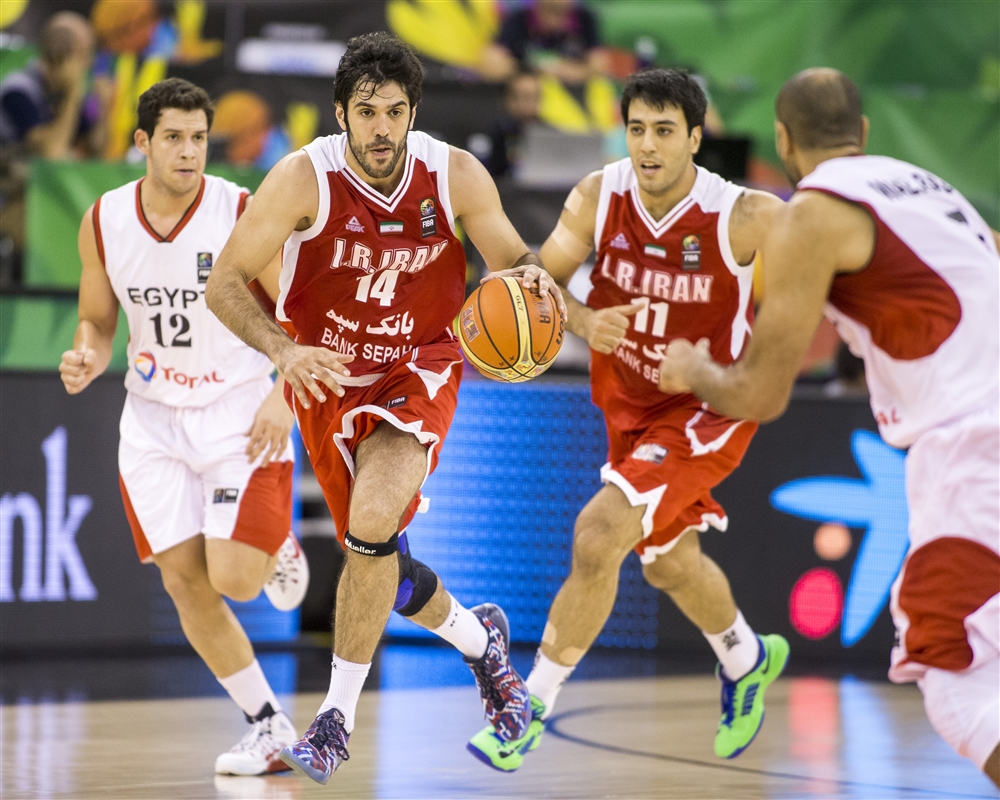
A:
[551,726]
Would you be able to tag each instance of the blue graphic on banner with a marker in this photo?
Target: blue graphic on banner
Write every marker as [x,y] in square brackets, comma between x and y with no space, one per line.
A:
[519,464]
[877,503]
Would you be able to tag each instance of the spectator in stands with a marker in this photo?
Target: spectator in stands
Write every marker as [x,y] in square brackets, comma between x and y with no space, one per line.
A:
[46,107]
[46,110]
[521,101]
[554,37]
[243,123]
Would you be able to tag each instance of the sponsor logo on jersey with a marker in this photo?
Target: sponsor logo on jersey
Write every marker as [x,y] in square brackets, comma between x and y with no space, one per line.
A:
[204,266]
[651,452]
[620,242]
[655,251]
[390,227]
[428,218]
[396,402]
[469,328]
[145,365]
[691,252]
[342,322]
[225,495]
[354,226]
[391,325]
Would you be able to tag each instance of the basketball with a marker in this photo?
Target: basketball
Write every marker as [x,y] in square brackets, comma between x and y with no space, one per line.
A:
[508,332]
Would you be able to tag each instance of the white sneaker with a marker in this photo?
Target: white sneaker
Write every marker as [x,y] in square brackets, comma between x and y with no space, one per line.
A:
[287,586]
[259,751]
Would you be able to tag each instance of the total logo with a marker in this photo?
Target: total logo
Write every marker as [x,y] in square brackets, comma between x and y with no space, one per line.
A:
[875,504]
[145,365]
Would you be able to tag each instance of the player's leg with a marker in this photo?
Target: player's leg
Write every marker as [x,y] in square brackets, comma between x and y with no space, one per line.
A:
[748,663]
[217,636]
[605,530]
[992,766]
[390,466]
[481,634]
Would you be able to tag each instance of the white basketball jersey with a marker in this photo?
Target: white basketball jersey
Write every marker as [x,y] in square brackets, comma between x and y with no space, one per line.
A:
[179,353]
[923,314]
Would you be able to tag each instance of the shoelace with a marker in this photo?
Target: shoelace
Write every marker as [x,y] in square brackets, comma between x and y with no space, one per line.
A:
[255,737]
[330,733]
[486,685]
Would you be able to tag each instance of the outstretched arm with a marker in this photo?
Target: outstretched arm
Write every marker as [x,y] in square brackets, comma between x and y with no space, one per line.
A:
[474,200]
[287,200]
[98,313]
[813,238]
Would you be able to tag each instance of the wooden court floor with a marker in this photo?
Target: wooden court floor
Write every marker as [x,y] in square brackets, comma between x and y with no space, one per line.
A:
[636,738]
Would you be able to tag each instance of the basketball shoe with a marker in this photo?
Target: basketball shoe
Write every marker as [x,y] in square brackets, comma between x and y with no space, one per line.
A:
[508,756]
[505,697]
[743,700]
[257,753]
[322,749]
[290,579]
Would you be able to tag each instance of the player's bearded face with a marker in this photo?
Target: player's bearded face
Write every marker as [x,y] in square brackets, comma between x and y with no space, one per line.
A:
[377,123]
[177,151]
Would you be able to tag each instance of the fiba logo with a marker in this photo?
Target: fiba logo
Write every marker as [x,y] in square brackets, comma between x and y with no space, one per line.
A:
[145,365]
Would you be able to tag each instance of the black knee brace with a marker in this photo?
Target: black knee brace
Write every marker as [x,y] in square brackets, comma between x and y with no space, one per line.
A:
[376,549]
[417,582]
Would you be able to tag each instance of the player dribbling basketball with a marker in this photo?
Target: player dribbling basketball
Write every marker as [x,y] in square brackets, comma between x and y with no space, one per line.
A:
[372,277]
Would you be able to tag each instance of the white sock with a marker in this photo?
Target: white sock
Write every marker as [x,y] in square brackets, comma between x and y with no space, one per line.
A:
[463,629]
[546,679]
[346,680]
[737,648]
[250,689]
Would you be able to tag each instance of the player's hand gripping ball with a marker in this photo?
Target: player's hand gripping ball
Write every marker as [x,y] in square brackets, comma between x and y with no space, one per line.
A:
[510,333]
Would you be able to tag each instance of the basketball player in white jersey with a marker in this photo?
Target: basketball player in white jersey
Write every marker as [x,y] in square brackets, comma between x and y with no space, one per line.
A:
[907,270]
[675,249]
[204,459]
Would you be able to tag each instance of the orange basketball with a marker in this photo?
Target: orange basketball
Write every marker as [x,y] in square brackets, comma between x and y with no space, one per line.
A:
[510,333]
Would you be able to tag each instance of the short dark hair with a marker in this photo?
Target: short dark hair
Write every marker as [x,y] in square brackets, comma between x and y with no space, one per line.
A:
[661,87]
[375,59]
[172,93]
[821,108]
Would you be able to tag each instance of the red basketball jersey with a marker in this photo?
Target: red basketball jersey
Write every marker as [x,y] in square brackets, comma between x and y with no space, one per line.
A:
[681,270]
[375,277]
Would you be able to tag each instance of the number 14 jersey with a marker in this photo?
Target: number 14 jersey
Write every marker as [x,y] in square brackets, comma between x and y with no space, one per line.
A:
[179,353]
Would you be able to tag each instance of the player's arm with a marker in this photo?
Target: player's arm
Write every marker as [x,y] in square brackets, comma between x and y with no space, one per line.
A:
[813,238]
[567,247]
[98,314]
[267,436]
[287,200]
[750,222]
[475,201]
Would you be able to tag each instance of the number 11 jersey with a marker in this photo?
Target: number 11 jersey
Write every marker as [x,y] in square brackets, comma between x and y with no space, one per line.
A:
[179,353]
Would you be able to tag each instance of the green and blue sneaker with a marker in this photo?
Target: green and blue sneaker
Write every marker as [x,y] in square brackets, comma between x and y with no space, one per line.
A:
[508,756]
[743,700]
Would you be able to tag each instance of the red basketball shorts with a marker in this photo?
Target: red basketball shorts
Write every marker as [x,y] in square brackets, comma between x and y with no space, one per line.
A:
[417,394]
[671,466]
[184,471]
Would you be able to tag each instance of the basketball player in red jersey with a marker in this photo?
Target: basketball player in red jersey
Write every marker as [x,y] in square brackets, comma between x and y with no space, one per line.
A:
[372,278]
[204,460]
[907,270]
[675,250]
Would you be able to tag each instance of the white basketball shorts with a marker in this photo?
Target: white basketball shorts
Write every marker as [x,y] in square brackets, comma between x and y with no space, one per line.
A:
[184,472]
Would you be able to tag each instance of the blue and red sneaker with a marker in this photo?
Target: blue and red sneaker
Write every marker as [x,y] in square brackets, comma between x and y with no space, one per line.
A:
[322,749]
[505,697]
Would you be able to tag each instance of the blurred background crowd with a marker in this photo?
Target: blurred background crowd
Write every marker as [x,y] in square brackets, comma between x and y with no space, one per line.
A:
[529,86]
